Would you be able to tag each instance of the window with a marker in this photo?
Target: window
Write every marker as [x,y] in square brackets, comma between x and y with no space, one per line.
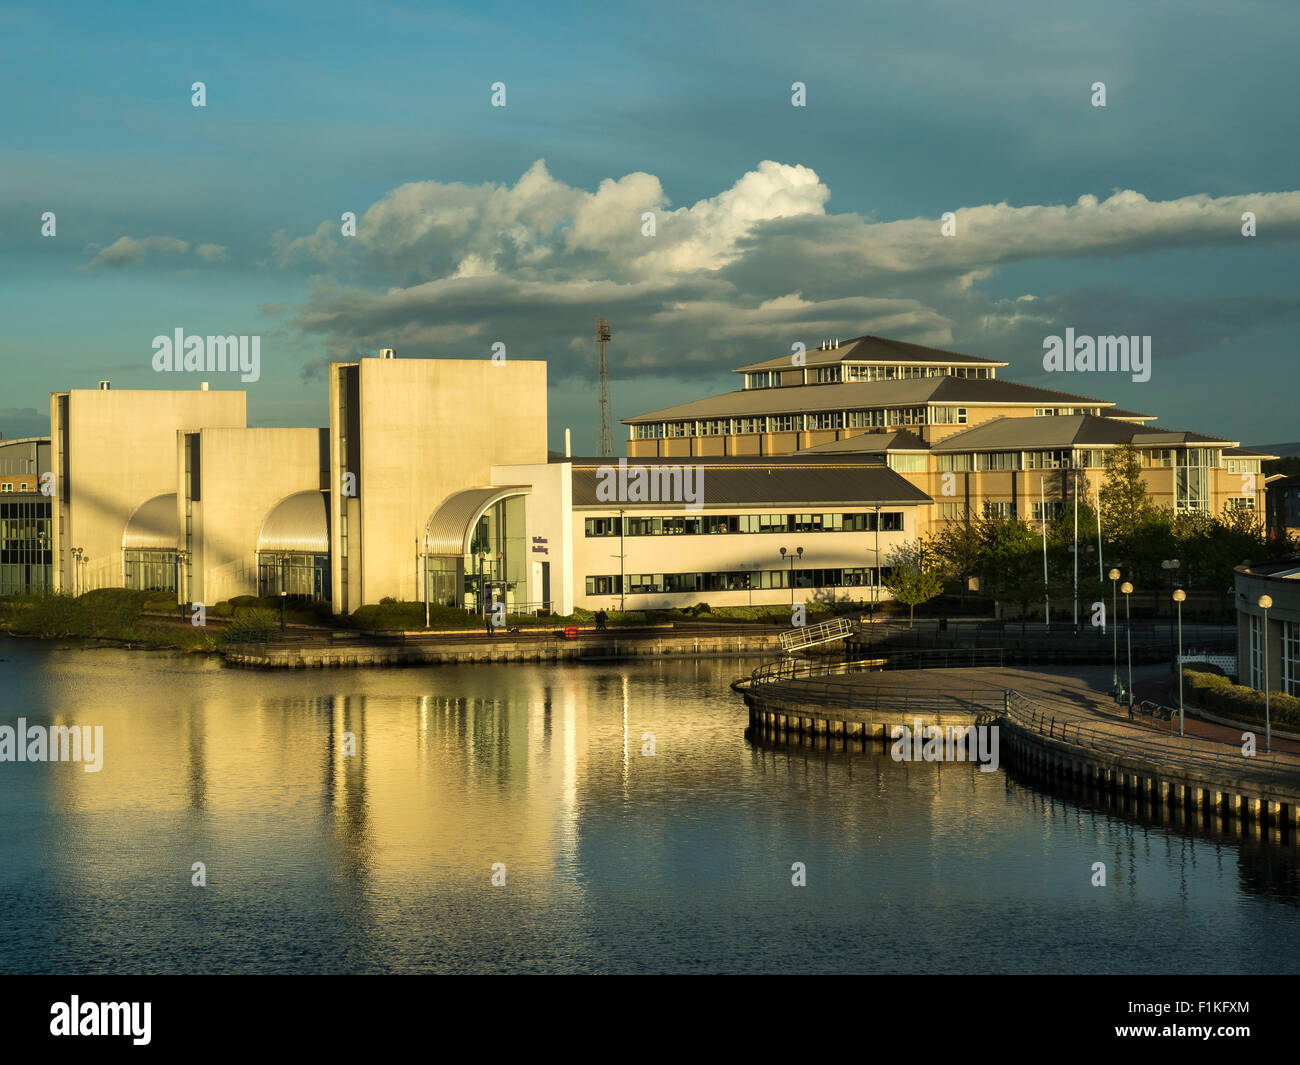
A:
[960,461]
[1239,503]
[604,585]
[1242,465]
[828,375]
[1054,508]
[1158,457]
[749,425]
[905,416]
[784,423]
[1256,652]
[765,379]
[603,526]
[679,428]
[1046,460]
[865,419]
[1291,657]
[713,427]
[947,415]
[1090,458]
[832,419]
[7,486]
[1002,511]
[649,431]
[906,463]
[952,511]
[998,460]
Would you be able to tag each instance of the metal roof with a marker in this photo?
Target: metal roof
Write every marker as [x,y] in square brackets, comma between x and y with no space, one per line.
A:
[854,395]
[1058,431]
[299,522]
[870,444]
[450,527]
[869,349]
[757,482]
[153,526]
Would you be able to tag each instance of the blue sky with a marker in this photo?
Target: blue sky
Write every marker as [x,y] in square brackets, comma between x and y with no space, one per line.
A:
[775,224]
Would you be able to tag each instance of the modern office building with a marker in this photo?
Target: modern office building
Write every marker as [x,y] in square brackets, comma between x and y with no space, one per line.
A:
[25,534]
[952,428]
[432,481]
[1268,625]
[757,531]
[1284,507]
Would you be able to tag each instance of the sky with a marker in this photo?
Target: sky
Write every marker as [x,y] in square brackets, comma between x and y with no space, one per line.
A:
[774,224]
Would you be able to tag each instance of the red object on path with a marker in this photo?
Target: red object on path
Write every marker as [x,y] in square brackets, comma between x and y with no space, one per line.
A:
[570,632]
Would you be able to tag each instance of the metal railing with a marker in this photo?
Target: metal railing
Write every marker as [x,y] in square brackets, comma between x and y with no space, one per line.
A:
[809,635]
[932,658]
[1274,768]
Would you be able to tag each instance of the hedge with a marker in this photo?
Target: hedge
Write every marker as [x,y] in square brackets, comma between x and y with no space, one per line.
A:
[1218,694]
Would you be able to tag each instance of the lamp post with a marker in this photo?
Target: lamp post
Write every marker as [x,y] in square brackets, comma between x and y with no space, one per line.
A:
[1127,589]
[1114,631]
[875,597]
[284,596]
[791,556]
[1171,565]
[76,569]
[181,558]
[1179,596]
[1266,601]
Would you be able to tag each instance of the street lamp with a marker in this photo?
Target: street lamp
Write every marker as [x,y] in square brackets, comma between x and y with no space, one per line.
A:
[284,596]
[1171,564]
[1114,632]
[1266,601]
[76,571]
[1127,589]
[1179,596]
[791,557]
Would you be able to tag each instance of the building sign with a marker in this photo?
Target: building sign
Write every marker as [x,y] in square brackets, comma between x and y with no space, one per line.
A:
[539,545]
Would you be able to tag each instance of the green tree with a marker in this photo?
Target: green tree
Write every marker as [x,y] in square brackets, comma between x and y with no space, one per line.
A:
[958,549]
[1124,499]
[1012,564]
[912,576]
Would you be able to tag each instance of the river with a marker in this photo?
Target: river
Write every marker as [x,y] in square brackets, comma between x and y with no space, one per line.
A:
[628,823]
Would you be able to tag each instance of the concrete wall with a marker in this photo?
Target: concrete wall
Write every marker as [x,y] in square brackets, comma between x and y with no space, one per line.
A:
[121,452]
[244,473]
[1285,594]
[428,428]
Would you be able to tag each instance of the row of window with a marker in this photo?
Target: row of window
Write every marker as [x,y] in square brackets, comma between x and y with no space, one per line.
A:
[733,581]
[8,486]
[1082,458]
[876,417]
[1001,509]
[705,524]
[842,372]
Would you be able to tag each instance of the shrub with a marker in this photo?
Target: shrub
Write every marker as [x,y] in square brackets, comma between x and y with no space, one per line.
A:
[252,625]
[1218,694]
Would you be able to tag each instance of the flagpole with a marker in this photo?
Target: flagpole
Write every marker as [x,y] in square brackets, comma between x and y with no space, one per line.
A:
[1075,494]
[1047,604]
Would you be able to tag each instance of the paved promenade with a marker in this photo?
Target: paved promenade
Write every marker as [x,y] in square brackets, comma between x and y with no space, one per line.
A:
[1074,703]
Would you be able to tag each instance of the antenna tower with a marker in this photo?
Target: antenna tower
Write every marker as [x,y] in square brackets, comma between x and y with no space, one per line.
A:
[606,436]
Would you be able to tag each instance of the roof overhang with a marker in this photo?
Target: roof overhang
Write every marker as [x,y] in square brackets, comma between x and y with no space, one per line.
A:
[447,532]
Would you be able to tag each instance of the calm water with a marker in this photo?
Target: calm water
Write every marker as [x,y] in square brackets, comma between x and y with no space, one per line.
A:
[615,861]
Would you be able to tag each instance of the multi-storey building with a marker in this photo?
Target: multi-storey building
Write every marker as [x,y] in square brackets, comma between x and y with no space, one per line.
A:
[25,535]
[951,427]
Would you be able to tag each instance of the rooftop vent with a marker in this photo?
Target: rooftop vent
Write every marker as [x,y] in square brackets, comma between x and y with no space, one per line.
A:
[104,386]
[387,353]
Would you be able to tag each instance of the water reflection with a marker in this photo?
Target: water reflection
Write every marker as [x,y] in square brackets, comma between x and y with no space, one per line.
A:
[617,860]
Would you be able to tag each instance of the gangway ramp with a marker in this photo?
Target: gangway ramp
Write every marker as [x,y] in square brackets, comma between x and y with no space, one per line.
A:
[804,636]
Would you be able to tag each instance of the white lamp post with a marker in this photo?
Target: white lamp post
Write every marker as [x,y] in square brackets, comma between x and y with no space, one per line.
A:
[1127,589]
[1266,601]
[1179,597]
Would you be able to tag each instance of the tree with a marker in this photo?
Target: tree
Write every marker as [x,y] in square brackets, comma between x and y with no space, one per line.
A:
[911,577]
[1124,499]
[958,549]
[1012,562]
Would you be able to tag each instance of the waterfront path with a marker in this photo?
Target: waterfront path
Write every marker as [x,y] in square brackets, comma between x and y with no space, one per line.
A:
[1067,706]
